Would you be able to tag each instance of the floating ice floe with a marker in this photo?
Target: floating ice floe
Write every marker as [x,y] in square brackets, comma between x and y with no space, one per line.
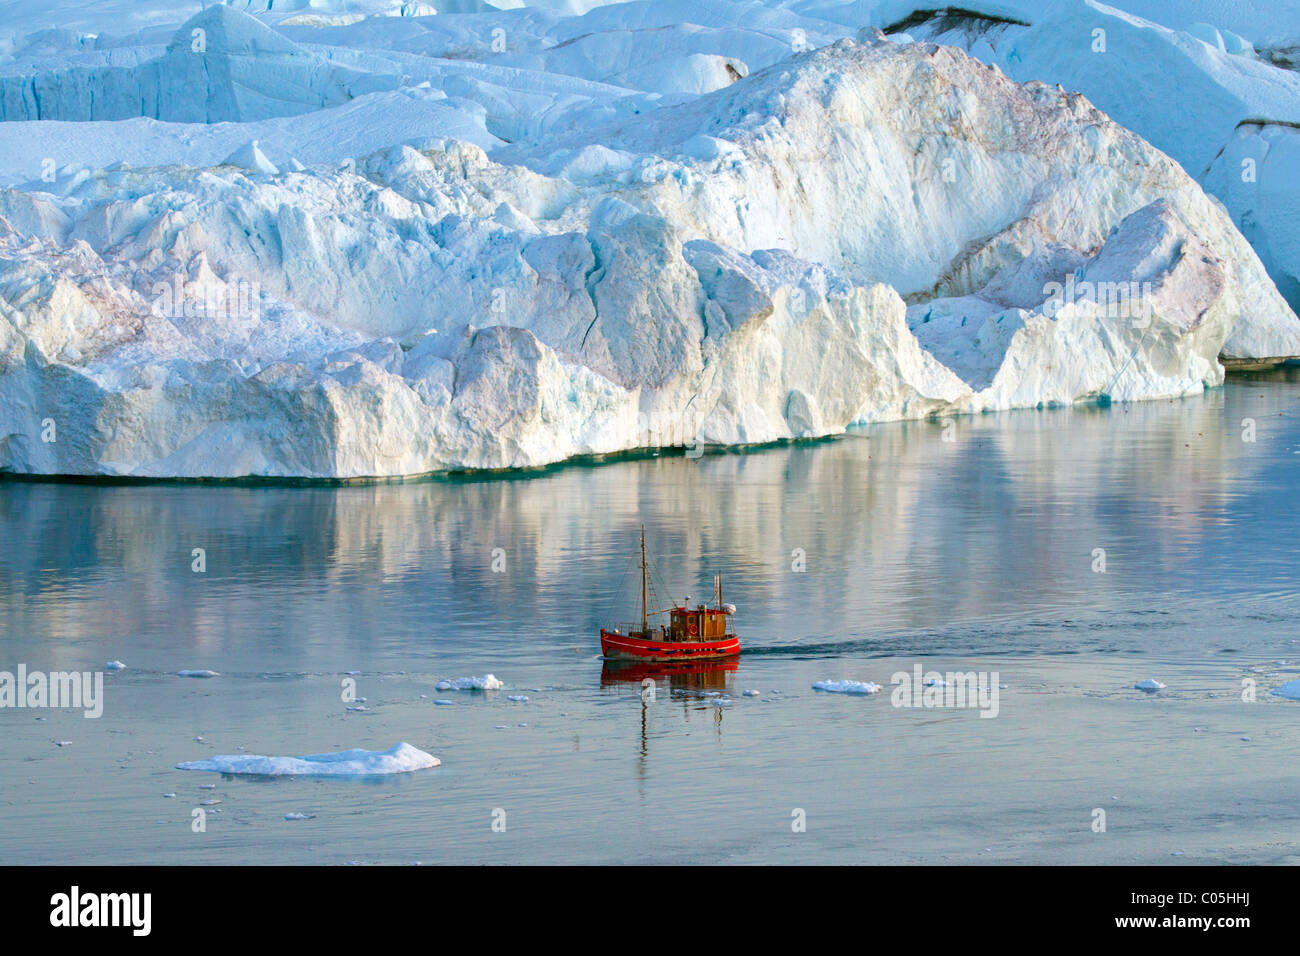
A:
[300,816]
[486,682]
[114,666]
[751,693]
[197,674]
[1290,690]
[847,687]
[402,758]
[1150,685]
[518,698]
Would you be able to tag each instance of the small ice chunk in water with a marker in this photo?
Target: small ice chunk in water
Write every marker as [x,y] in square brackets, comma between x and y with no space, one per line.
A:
[1149,685]
[114,666]
[197,674]
[443,703]
[300,816]
[486,682]
[751,693]
[518,698]
[1290,690]
[847,687]
[63,743]
[401,758]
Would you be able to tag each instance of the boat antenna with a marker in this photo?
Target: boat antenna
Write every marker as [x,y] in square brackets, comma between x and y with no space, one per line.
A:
[645,623]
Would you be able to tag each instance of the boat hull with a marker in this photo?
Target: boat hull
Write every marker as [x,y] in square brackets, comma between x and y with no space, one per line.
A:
[624,647]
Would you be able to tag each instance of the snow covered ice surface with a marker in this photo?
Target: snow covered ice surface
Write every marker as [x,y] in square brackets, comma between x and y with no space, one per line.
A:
[401,758]
[332,241]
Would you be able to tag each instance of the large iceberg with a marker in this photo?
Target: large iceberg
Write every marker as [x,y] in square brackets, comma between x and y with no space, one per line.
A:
[774,242]
[1199,91]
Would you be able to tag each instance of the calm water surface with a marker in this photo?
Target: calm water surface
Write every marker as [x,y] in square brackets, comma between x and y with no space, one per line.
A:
[975,553]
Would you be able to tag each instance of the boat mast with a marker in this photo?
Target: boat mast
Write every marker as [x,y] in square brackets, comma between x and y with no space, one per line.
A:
[645,625]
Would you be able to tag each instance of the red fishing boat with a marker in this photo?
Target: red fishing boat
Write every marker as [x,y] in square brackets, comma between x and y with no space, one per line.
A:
[698,633]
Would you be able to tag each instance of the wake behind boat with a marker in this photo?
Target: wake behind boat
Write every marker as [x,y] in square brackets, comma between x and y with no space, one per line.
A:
[690,633]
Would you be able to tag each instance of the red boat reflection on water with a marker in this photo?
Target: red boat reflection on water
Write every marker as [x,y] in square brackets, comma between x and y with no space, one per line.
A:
[688,682]
[679,675]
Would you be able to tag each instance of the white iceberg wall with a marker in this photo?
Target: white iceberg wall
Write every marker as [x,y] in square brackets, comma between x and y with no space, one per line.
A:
[220,66]
[426,309]
[934,201]
[1257,174]
[1195,100]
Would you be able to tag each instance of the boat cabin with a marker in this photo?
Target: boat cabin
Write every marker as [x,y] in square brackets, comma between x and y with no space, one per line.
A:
[699,623]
